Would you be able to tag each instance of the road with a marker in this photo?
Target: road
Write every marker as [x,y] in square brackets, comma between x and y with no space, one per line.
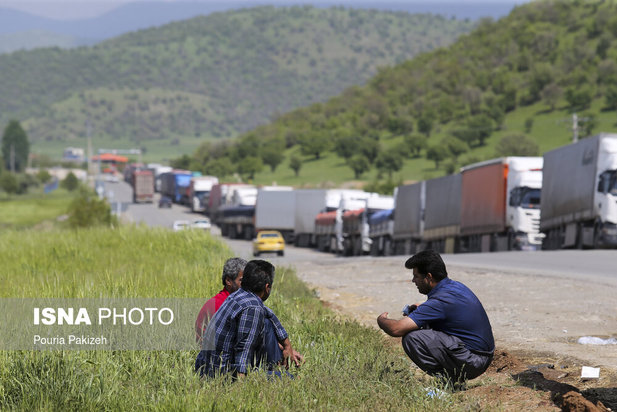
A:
[538,302]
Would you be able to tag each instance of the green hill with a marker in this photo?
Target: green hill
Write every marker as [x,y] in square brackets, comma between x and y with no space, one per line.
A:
[522,77]
[211,76]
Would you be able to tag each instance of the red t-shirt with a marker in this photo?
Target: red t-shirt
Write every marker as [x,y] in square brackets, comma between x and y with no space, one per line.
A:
[207,312]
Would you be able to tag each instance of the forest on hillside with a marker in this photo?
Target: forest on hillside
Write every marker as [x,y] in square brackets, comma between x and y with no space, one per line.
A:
[211,76]
[547,59]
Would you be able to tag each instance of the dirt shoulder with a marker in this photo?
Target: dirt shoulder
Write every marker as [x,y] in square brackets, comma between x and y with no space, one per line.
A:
[536,321]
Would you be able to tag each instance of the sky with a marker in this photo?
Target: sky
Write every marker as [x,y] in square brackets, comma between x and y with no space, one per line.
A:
[78,9]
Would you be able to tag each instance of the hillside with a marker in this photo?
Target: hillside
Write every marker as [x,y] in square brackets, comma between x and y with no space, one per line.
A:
[211,76]
[510,87]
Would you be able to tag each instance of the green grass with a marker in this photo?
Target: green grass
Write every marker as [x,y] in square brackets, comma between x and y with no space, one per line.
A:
[24,211]
[348,367]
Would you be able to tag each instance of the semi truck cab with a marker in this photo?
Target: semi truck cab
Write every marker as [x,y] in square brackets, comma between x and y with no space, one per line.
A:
[523,203]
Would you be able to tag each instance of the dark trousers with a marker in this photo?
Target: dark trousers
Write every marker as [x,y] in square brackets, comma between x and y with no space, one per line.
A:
[269,351]
[440,354]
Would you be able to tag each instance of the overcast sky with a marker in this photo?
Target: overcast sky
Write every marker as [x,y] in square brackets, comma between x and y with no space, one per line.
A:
[71,9]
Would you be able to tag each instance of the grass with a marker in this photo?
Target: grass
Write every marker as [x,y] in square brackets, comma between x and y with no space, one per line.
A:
[18,212]
[348,366]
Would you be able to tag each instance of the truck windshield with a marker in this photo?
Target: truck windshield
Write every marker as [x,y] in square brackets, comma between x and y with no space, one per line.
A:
[612,183]
[608,182]
[525,197]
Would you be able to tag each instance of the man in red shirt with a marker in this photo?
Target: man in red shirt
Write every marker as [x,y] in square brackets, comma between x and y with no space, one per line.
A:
[232,279]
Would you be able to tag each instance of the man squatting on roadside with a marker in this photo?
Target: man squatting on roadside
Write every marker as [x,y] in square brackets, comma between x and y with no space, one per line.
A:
[244,333]
[449,335]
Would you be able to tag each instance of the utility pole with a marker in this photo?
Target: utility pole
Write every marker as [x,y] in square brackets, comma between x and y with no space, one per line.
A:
[89,149]
[574,128]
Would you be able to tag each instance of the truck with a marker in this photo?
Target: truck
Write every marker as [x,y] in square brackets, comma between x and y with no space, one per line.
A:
[275,209]
[408,224]
[157,171]
[143,186]
[381,228]
[199,192]
[500,205]
[442,213]
[356,231]
[237,216]
[329,224]
[174,184]
[579,194]
[220,195]
[309,203]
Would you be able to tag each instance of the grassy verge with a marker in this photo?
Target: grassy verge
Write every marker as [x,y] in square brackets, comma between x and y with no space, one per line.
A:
[18,212]
[348,366]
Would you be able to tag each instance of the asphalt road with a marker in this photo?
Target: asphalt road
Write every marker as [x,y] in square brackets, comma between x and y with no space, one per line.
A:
[598,266]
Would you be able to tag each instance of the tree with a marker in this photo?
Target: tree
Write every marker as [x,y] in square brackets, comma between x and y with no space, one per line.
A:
[455,146]
[359,164]
[295,163]
[219,167]
[516,144]
[415,143]
[314,144]
[578,99]
[249,166]
[43,176]
[182,162]
[551,95]
[481,126]
[437,154]
[345,146]
[369,147]
[610,98]
[272,154]
[425,124]
[390,161]
[8,183]
[70,182]
[15,147]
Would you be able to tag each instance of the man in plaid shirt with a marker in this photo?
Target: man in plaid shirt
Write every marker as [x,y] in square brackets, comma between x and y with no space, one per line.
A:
[244,332]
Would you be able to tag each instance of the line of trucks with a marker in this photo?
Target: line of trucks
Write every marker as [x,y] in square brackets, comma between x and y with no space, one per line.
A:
[565,199]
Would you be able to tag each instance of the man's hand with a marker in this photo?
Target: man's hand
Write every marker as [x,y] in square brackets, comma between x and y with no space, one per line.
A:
[289,354]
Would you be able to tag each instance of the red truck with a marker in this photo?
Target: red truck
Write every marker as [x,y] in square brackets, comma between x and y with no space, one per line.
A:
[143,186]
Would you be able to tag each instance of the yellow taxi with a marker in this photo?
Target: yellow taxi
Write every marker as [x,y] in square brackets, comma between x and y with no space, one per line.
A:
[269,241]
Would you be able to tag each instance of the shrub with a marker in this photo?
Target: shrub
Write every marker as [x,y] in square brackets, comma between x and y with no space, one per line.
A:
[88,210]
[70,182]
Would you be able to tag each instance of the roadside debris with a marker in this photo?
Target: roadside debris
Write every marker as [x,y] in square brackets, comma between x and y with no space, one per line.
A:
[592,340]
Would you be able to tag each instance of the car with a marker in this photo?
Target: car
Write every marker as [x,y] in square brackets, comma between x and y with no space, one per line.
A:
[203,224]
[181,225]
[111,178]
[165,201]
[269,241]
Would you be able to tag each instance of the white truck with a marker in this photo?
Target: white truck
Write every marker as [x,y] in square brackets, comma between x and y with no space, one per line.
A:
[310,203]
[500,205]
[275,209]
[199,192]
[579,194]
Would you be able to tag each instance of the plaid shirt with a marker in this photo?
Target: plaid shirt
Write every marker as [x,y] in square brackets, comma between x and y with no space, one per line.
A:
[236,333]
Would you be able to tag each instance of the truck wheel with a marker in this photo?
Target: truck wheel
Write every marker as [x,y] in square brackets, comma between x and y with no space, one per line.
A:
[256,254]
[232,231]
[596,236]
[387,247]
[511,239]
[281,253]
